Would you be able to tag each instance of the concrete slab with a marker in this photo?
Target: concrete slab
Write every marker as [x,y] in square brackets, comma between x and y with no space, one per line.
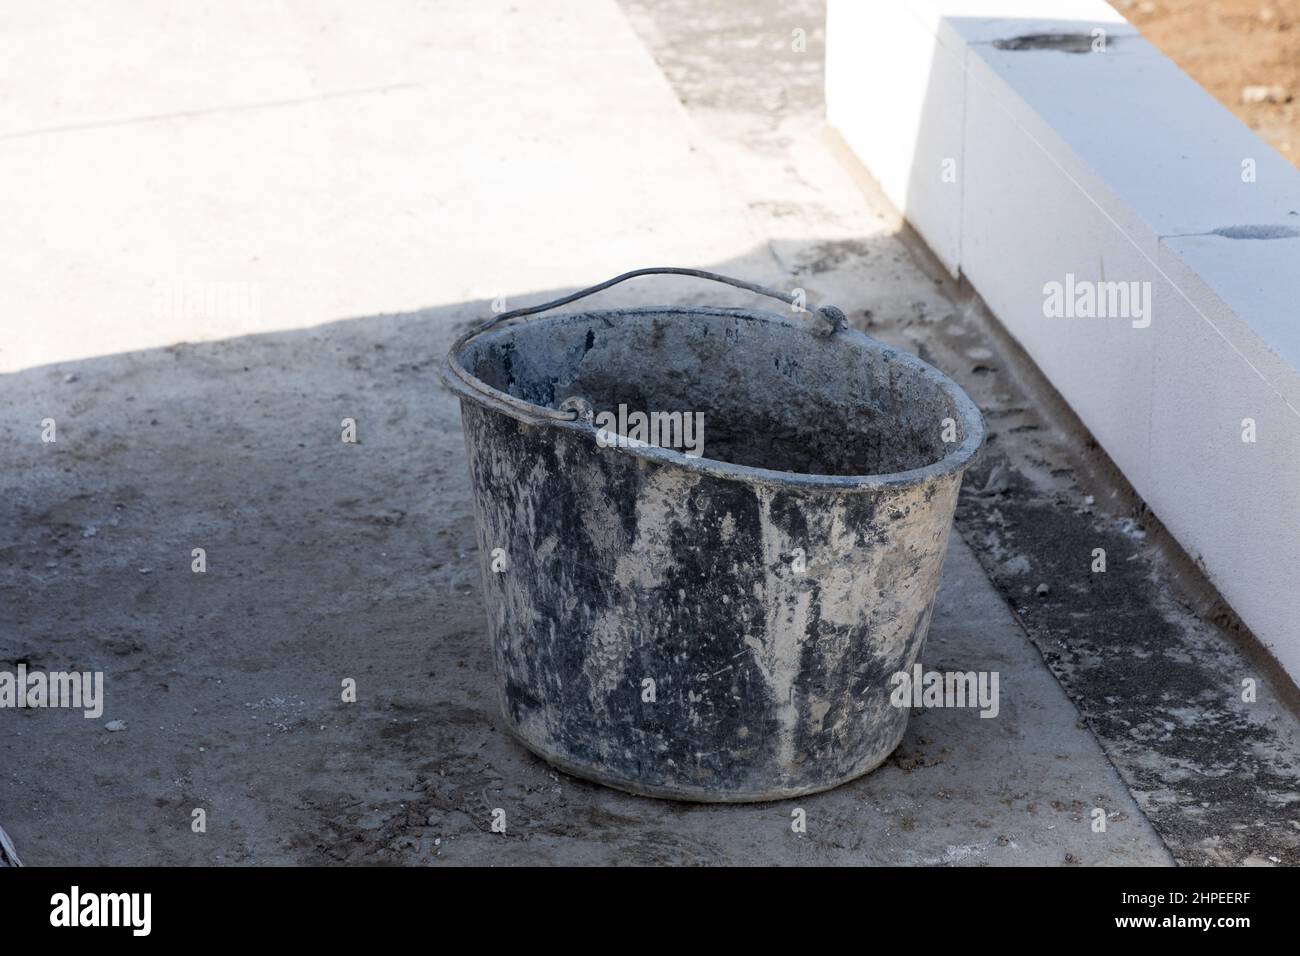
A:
[236,170]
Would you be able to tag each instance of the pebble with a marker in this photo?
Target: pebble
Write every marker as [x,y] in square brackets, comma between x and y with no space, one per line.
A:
[1264,94]
[113,726]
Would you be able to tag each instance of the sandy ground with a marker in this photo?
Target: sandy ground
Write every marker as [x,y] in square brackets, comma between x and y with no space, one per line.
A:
[1228,46]
[255,255]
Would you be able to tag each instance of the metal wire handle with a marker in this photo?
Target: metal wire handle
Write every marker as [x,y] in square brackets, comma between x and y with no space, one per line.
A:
[832,318]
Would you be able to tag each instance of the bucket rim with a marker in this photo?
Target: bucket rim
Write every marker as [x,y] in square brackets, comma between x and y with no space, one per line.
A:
[456,378]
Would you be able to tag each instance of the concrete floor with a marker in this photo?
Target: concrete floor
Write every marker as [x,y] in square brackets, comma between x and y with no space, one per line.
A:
[238,229]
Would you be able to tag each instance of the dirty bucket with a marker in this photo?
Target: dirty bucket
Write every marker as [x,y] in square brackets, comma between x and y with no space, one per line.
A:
[715,627]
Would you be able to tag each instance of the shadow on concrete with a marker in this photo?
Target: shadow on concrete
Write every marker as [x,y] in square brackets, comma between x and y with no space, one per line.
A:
[328,561]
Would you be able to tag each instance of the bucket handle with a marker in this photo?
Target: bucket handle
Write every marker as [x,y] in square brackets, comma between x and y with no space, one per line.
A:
[832,317]
[833,320]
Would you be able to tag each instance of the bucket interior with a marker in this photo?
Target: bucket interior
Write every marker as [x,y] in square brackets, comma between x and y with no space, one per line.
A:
[772,394]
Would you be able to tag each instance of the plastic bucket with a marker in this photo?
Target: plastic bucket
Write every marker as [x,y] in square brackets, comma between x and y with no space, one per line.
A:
[715,623]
